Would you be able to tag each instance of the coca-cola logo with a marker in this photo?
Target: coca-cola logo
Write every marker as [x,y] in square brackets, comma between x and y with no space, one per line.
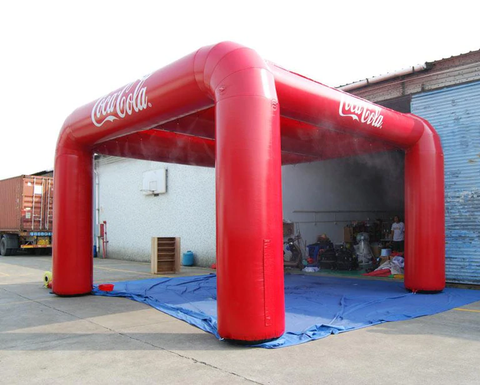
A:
[132,98]
[361,111]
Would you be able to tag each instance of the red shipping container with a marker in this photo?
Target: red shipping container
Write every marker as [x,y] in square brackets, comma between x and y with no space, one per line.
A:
[26,204]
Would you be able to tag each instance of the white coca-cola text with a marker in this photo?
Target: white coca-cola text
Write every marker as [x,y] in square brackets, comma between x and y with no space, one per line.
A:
[360,111]
[132,98]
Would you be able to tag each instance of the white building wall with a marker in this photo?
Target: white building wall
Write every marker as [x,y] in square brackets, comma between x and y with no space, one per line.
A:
[354,188]
[187,210]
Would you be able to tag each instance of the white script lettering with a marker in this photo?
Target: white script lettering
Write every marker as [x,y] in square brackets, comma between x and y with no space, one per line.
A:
[360,111]
[132,98]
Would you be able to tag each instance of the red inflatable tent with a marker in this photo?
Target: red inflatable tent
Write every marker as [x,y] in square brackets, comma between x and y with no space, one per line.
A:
[225,107]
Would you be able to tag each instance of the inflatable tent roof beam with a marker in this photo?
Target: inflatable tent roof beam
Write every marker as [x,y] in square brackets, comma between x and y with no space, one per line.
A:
[224,106]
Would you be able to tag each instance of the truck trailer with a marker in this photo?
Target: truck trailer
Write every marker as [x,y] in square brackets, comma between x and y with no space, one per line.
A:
[26,214]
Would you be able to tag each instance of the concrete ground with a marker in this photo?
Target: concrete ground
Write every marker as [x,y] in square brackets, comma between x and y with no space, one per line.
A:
[45,339]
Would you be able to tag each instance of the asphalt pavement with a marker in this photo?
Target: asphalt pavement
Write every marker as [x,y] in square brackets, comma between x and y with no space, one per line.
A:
[46,339]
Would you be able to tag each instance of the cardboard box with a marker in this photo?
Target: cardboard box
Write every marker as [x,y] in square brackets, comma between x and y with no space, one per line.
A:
[377,251]
[288,230]
[384,259]
[348,234]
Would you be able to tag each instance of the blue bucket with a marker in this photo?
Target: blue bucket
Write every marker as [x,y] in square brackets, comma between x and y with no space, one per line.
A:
[187,259]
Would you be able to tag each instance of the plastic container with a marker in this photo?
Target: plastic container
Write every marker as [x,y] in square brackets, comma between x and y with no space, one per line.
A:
[386,252]
[187,258]
[106,287]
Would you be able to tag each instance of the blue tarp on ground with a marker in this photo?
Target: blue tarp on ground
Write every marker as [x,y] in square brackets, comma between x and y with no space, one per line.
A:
[315,306]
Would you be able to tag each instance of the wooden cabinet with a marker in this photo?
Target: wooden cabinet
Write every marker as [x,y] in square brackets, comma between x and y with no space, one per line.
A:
[165,255]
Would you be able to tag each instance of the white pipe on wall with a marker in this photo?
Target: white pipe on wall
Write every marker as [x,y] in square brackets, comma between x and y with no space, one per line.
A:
[381,78]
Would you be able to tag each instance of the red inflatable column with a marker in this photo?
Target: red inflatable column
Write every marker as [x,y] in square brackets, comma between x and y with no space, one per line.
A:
[249,209]
[72,224]
[425,214]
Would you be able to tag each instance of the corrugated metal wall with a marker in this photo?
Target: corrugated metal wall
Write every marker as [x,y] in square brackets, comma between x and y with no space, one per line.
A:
[455,114]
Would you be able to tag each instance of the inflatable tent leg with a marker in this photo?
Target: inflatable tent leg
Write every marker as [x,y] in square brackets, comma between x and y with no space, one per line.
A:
[72,225]
[425,214]
[249,220]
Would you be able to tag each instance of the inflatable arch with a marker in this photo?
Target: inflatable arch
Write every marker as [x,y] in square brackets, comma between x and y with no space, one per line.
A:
[225,107]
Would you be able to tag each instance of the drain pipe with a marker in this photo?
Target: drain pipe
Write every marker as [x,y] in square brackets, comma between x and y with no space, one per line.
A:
[97,208]
[382,78]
